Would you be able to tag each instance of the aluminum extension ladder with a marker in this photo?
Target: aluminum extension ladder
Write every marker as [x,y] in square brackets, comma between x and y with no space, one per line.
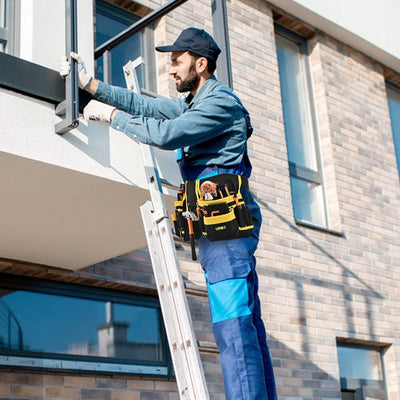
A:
[171,291]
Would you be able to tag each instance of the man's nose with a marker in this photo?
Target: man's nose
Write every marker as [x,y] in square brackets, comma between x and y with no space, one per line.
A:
[172,70]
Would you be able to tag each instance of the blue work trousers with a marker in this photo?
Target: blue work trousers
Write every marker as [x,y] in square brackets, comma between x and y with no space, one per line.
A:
[232,282]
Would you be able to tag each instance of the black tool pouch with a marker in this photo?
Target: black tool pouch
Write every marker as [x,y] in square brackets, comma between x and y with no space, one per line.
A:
[217,219]
[245,220]
[226,217]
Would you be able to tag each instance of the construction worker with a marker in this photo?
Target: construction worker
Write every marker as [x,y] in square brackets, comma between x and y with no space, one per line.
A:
[210,127]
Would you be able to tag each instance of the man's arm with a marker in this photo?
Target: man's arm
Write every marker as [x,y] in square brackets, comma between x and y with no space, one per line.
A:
[135,104]
[205,121]
[121,98]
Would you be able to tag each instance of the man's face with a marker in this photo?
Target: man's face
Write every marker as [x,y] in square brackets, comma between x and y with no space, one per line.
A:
[183,70]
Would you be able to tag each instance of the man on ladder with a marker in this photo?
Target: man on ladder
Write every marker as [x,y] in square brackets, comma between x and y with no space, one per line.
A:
[210,127]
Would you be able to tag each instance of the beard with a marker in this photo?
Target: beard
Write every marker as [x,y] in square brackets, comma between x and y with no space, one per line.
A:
[190,82]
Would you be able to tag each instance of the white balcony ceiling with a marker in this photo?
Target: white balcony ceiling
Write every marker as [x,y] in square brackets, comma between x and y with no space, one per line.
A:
[60,217]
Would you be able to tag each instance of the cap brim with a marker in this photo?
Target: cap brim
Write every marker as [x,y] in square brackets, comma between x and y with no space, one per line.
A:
[171,48]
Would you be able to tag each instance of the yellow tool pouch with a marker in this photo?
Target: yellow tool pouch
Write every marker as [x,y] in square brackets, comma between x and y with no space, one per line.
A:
[224,215]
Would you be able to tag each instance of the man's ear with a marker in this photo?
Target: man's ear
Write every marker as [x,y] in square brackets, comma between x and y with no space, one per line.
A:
[201,65]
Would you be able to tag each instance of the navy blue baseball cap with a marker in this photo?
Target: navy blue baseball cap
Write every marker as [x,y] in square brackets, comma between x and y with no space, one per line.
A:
[195,40]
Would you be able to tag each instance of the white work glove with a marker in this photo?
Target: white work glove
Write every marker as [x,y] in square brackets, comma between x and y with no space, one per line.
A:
[84,76]
[97,111]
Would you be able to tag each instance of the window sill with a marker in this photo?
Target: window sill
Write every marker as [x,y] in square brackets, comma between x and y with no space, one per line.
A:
[50,364]
[320,228]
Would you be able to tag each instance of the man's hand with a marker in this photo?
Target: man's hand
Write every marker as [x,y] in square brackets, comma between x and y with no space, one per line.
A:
[84,76]
[97,111]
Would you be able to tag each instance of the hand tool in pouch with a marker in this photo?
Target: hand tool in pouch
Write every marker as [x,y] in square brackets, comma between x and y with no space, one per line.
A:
[191,216]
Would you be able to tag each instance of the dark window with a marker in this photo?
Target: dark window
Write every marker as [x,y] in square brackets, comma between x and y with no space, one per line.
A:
[393,93]
[110,21]
[306,181]
[361,370]
[49,325]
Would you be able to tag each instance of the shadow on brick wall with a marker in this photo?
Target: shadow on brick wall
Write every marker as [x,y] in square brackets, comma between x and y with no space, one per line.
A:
[345,290]
[298,377]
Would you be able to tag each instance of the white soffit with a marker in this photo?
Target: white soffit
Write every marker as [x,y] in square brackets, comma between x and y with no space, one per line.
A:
[60,217]
[369,26]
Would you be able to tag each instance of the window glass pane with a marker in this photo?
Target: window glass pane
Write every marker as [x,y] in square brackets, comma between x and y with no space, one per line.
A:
[308,204]
[360,363]
[2,46]
[3,14]
[394,110]
[47,323]
[110,22]
[296,104]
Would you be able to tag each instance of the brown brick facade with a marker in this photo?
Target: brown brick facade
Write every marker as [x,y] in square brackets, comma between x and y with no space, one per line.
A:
[315,286]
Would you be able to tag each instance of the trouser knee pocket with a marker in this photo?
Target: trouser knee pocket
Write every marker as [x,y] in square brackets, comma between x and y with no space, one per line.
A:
[228,292]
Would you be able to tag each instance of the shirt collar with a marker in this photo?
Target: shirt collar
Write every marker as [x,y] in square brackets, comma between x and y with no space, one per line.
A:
[190,99]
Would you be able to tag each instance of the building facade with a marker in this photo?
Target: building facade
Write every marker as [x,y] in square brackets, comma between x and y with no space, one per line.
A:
[79,315]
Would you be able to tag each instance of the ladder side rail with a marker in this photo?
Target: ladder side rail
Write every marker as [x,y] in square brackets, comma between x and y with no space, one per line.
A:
[165,294]
[190,346]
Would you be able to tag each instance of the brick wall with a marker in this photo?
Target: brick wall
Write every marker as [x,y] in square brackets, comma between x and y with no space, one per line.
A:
[315,286]
[25,385]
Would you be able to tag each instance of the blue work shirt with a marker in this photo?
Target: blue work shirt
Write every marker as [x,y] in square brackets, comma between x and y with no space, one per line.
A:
[210,127]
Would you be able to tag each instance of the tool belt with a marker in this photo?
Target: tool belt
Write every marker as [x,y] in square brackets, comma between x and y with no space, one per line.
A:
[213,207]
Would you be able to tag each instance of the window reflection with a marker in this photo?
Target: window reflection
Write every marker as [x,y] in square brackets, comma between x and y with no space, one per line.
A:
[394,110]
[309,201]
[360,363]
[47,323]
[110,21]
[296,104]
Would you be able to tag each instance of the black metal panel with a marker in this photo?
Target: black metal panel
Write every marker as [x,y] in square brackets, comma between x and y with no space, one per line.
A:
[31,79]
[35,81]
[69,108]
